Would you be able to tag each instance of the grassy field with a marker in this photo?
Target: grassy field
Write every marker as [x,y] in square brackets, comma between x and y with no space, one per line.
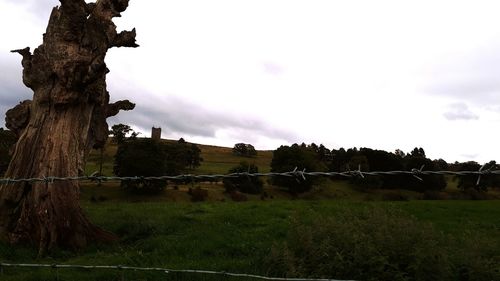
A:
[167,230]
[233,237]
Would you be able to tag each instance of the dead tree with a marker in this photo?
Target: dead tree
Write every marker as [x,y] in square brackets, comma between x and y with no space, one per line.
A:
[59,127]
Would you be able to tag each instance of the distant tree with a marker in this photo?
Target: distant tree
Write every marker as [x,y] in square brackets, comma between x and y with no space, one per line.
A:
[119,132]
[491,180]
[189,154]
[314,147]
[441,164]
[243,149]
[251,152]
[142,157]
[251,185]
[429,182]
[378,160]
[466,182]
[399,153]
[146,157]
[418,152]
[287,158]
[359,161]
[134,135]
[339,160]
[324,154]
[240,149]
[194,157]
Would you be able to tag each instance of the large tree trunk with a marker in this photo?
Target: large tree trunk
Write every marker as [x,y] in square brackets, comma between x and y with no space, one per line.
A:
[57,129]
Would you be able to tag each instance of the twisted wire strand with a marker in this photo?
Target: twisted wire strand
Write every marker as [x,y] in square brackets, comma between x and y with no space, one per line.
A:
[159,269]
[301,175]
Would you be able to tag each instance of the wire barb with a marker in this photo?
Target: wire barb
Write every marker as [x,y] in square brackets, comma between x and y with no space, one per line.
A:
[482,171]
[416,173]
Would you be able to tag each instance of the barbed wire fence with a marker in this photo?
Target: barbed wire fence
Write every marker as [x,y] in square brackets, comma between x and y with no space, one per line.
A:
[299,175]
[122,269]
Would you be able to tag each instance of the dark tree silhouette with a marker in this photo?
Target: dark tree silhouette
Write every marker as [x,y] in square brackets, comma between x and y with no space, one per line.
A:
[63,122]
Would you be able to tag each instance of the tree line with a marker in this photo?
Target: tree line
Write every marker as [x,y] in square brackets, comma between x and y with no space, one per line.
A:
[319,158]
[146,157]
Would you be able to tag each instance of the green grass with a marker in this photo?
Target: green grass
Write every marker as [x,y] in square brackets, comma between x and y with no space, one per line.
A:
[217,160]
[226,236]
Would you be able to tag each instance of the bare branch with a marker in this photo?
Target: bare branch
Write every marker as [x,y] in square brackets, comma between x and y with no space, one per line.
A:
[27,56]
[113,108]
[125,39]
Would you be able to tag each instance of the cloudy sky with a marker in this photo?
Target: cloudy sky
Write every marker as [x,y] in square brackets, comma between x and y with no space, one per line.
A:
[381,74]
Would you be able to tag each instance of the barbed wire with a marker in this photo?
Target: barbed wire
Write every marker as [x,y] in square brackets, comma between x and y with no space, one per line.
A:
[157,269]
[298,174]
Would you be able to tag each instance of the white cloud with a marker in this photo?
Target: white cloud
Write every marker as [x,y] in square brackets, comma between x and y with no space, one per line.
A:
[460,111]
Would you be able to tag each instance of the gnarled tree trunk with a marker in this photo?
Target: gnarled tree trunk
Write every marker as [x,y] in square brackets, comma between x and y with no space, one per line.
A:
[57,129]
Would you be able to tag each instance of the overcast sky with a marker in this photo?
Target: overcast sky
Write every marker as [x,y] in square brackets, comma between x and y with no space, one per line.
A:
[380,74]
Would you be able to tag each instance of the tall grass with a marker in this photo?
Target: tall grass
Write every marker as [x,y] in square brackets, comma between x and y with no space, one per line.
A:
[382,244]
[237,237]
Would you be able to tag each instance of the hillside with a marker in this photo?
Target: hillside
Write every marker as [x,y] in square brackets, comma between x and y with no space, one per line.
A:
[216,159]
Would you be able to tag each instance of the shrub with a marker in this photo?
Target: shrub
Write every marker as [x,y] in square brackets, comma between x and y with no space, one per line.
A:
[198,194]
[250,185]
[237,196]
[372,245]
[377,244]
[473,194]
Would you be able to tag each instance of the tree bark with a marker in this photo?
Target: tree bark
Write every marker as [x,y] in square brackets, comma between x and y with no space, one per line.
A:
[59,127]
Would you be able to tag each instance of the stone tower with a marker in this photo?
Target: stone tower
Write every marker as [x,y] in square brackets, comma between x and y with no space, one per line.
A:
[156,133]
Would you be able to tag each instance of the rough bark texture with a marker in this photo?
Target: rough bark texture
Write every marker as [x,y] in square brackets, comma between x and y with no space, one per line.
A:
[57,129]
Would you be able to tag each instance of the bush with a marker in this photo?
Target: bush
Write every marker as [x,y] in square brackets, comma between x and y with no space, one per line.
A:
[473,194]
[237,196]
[198,194]
[250,185]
